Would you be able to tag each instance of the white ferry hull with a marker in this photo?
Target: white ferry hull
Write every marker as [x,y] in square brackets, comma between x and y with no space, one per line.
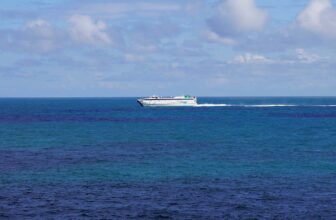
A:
[167,102]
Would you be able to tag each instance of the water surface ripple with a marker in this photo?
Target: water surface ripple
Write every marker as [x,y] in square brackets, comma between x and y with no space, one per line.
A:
[229,158]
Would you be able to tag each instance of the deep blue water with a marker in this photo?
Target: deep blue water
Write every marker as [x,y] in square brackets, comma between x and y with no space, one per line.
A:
[272,158]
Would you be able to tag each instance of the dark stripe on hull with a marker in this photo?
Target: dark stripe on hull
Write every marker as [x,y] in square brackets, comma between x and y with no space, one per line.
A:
[140,103]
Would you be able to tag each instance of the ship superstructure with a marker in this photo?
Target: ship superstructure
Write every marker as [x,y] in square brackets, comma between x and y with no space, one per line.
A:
[157,101]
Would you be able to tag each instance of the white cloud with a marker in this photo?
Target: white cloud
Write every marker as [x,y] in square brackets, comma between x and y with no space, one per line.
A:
[84,29]
[319,17]
[212,36]
[250,58]
[234,17]
[305,57]
[39,35]
[37,23]
[40,27]
[300,56]
[117,9]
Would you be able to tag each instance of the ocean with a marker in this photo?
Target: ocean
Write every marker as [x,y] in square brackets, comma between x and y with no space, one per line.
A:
[109,158]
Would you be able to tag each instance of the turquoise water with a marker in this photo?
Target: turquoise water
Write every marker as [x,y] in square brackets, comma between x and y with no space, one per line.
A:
[111,158]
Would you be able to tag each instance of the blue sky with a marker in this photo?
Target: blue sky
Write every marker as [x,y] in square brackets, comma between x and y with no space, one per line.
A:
[71,48]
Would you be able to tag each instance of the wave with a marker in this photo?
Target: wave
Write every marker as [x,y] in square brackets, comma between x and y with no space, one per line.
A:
[259,105]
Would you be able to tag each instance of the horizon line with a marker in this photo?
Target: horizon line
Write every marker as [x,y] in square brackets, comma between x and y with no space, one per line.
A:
[234,96]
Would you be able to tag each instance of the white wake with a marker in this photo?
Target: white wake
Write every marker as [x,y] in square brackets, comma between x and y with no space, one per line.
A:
[259,105]
[212,105]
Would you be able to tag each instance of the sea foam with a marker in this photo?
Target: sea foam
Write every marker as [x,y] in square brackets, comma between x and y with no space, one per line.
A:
[259,105]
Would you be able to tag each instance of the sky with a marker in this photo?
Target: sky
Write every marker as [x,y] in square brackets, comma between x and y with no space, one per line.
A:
[116,48]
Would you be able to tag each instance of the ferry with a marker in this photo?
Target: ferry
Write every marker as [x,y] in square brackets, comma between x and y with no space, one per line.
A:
[157,101]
